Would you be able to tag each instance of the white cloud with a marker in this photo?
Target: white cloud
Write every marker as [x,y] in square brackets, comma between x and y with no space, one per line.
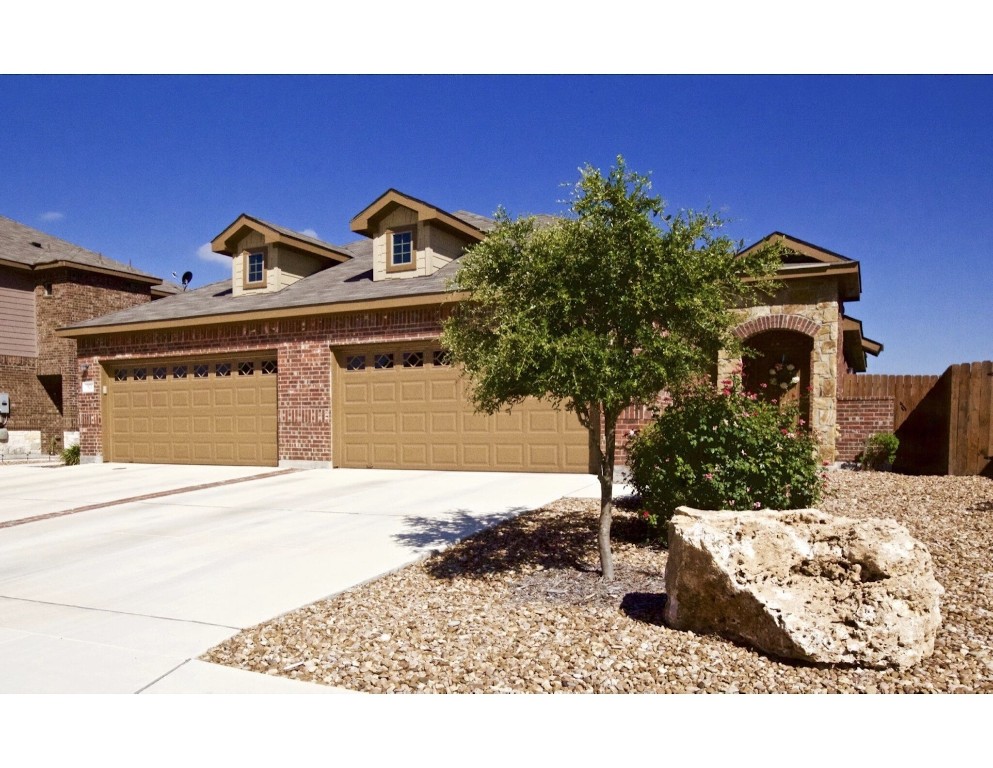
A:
[205,254]
[310,233]
[52,216]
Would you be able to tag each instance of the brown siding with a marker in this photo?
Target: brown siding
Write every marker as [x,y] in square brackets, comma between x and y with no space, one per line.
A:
[18,336]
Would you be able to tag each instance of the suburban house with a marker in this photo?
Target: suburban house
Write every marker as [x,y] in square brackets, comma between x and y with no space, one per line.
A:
[47,283]
[803,340]
[312,354]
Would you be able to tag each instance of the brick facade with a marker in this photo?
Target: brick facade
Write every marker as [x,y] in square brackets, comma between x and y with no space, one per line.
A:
[44,389]
[303,349]
[858,419]
[631,421]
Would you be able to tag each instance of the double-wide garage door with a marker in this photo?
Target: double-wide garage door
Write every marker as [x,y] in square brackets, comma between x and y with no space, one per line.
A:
[192,411]
[405,407]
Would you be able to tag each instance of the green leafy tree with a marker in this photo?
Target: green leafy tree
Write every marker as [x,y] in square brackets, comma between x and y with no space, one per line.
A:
[598,310]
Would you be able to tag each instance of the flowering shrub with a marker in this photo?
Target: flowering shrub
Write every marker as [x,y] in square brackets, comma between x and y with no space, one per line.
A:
[724,449]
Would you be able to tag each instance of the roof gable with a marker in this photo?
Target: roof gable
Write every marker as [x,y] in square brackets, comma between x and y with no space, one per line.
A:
[227,240]
[364,222]
[806,260]
[797,251]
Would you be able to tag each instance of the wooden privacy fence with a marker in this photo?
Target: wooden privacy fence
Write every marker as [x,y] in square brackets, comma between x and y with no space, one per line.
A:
[945,423]
[906,391]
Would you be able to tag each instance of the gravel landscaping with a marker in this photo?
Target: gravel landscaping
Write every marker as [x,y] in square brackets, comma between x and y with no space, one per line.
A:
[520,608]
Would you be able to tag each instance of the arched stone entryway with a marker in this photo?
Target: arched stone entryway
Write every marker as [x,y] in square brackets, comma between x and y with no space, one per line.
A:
[780,370]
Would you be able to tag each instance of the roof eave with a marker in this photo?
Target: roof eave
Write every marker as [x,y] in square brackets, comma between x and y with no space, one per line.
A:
[223,243]
[360,305]
[362,222]
[799,246]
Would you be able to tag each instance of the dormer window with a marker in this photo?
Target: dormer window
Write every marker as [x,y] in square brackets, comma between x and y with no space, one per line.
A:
[255,269]
[402,249]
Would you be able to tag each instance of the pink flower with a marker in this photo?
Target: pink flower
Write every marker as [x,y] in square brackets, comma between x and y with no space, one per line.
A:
[802,422]
[707,476]
[763,385]
[784,431]
[757,505]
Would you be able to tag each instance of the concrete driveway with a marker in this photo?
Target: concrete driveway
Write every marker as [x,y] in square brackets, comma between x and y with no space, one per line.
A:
[115,577]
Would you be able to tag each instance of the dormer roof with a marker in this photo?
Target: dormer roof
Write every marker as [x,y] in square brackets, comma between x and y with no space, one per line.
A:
[805,260]
[227,241]
[364,222]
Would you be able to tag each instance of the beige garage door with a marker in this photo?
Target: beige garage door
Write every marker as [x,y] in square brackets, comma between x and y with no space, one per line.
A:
[192,411]
[404,407]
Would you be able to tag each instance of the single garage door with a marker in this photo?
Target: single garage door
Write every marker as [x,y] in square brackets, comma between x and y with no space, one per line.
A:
[405,407]
[192,411]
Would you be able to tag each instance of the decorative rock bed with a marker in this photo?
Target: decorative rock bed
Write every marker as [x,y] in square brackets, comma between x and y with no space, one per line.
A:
[520,608]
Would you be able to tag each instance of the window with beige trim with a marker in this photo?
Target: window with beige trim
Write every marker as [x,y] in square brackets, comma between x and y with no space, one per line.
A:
[255,269]
[401,255]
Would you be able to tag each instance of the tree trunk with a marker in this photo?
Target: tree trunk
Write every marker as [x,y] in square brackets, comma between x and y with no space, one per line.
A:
[602,426]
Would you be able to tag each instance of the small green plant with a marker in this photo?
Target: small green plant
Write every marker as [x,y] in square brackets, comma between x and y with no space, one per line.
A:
[724,449]
[880,451]
[70,455]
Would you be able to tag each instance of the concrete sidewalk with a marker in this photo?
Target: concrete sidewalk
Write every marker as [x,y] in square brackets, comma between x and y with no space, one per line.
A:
[124,598]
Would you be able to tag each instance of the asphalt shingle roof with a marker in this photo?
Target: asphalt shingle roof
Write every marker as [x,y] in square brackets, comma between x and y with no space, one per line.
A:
[25,245]
[350,281]
[293,233]
[345,282]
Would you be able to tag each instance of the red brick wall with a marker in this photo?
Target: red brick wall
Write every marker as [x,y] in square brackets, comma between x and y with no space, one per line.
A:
[858,419]
[303,348]
[631,421]
[31,408]
[75,296]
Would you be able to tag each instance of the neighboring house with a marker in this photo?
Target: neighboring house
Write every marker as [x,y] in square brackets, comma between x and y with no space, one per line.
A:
[313,354]
[47,283]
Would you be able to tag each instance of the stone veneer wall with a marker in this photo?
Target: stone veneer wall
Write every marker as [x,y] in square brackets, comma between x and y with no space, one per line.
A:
[810,307]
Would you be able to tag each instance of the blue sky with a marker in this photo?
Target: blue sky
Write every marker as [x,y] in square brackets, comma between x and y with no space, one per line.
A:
[896,172]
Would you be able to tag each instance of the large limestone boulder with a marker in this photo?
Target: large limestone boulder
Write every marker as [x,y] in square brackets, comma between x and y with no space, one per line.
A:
[805,585]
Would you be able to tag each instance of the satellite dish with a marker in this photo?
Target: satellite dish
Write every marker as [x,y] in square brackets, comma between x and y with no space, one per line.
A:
[187,276]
